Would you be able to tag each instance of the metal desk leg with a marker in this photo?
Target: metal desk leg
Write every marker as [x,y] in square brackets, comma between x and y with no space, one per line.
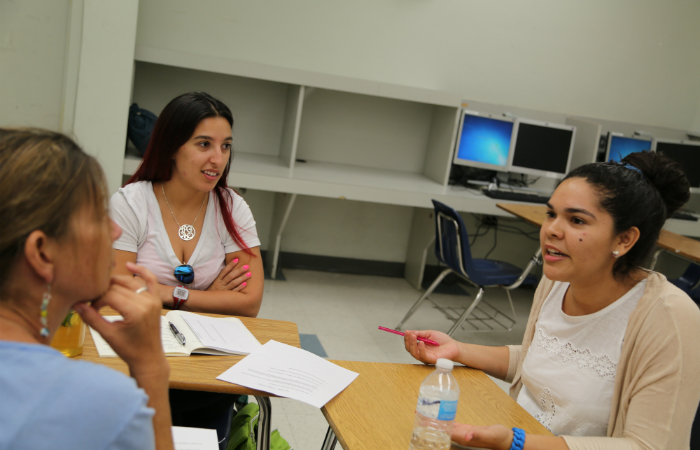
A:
[264,422]
[655,258]
[330,440]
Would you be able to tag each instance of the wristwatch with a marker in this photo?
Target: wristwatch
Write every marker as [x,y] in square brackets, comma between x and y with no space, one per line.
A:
[180,295]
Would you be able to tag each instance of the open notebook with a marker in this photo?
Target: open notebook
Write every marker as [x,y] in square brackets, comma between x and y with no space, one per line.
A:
[203,334]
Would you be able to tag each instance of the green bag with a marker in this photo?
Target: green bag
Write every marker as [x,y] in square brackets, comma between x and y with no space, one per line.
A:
[244,426]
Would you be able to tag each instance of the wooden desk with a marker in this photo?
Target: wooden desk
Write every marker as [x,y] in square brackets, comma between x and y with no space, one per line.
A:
[678,245]
[199,372]
[377,410]
[673,243]
[534,214]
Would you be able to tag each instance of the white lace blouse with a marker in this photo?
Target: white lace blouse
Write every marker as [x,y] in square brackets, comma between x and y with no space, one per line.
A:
[569,372]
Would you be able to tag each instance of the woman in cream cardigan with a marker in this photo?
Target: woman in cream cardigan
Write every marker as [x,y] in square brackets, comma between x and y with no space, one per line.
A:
[610,357]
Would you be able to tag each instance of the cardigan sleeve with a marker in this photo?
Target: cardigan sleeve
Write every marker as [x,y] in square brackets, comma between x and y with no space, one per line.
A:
[514,355]
[600,443]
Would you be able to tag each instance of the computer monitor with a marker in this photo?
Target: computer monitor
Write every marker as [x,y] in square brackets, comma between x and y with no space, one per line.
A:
[687,154]
[541,148]
[620,146]
[483,141]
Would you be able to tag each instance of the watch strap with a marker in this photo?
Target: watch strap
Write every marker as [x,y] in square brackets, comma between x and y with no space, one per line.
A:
[177,301]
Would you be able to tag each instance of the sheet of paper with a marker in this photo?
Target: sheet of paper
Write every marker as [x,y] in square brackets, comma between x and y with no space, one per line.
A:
[290,372]
[170,344]
[221,334]
[186,438]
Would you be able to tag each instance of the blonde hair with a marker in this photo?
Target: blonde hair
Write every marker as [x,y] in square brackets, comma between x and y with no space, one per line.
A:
[45,178]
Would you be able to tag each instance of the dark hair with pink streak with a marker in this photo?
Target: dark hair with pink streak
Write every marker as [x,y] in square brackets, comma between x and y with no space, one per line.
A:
[174,127]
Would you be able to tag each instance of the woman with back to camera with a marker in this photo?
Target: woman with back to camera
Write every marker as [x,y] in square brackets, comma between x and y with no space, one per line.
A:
[182,222]
[610,357]
[56,255]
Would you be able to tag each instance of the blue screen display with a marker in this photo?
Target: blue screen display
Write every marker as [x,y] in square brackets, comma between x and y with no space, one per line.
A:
[485,140]
[623,146]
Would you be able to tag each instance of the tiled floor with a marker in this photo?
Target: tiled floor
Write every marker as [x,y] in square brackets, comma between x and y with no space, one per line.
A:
[344,311]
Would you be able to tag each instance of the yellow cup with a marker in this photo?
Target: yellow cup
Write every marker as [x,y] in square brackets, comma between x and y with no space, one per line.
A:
[70,336]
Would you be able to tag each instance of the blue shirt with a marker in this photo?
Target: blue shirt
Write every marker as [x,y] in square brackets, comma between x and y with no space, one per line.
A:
[48,401]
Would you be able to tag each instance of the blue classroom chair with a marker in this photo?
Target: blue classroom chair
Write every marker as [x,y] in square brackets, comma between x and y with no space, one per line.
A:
[689,279]
[452,249]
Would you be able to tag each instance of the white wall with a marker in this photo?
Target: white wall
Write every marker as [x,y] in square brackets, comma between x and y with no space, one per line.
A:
[32,50]
[625,60]
[104,82]
[624,63]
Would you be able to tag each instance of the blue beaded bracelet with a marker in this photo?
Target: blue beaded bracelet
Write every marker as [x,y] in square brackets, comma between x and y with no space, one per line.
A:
[518,439]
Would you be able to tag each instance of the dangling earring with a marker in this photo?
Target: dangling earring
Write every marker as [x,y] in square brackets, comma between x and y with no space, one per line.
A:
[616,254]
[45,313]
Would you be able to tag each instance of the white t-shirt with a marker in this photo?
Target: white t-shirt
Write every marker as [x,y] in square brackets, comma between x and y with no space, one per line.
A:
[135,209]
[569,371]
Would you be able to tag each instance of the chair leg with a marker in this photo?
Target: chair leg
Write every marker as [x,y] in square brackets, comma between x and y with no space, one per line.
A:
[422,298]
[466,312]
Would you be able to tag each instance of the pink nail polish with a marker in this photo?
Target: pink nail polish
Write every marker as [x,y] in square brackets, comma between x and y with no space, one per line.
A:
[248,274]
[245,267]
[235,260]
[244,284]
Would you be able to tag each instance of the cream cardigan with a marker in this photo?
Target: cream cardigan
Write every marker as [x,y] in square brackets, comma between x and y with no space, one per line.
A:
[657,385]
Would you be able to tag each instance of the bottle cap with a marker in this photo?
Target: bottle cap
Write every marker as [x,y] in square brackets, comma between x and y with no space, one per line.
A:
[445,364]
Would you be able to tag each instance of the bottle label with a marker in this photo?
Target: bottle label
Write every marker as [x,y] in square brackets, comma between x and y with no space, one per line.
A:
[437,409]
[448,410]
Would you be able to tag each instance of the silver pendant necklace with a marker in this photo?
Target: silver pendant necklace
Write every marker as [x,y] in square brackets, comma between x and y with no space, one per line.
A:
[186,232]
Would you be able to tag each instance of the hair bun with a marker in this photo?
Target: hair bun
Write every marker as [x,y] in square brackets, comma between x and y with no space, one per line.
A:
[666,175]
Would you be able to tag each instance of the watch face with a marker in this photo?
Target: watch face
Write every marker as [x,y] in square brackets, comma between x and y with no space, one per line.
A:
[181,293]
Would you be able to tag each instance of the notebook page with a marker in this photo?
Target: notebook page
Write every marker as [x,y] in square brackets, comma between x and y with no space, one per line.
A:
[229,334]
[170,344]
[103,348]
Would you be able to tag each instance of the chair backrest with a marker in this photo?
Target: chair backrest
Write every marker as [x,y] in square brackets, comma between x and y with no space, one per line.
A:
[451,240]
[691,276]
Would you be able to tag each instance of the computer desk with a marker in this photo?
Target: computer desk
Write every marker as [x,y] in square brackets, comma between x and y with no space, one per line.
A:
[376,411]
[199,372]
[673,243]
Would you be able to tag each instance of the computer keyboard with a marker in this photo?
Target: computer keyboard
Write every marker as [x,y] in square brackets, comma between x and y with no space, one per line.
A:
[515,196]
[683,216]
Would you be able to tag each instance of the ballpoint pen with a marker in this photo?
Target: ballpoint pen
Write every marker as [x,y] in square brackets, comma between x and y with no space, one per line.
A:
[179,336]
[401,333]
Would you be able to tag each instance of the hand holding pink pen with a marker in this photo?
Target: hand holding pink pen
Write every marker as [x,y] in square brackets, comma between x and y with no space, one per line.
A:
[401,333]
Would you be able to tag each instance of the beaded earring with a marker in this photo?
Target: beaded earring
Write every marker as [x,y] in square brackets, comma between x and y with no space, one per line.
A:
[44,318]
[616,254]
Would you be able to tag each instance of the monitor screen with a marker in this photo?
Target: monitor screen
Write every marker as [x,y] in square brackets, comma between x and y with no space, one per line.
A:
[687,154]
[542,148]
[483,141]
[620,146]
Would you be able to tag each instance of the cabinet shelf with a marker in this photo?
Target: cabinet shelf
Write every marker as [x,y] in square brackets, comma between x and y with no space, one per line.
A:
[259,71]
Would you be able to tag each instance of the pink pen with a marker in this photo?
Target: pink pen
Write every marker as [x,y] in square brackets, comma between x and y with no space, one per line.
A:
[401,333]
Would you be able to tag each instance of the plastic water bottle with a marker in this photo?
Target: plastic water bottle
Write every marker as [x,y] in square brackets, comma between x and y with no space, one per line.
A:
[436,409]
